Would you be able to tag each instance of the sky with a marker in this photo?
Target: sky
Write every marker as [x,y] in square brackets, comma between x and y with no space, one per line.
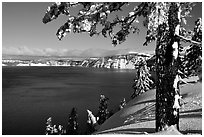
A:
[23,33]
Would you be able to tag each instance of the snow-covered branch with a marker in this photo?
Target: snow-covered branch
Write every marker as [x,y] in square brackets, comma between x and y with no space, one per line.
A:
[188,40]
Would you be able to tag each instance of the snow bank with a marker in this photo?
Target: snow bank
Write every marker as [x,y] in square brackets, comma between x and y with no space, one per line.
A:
[138,116]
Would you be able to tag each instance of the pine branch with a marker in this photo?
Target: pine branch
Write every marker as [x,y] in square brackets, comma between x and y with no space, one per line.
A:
[189,40]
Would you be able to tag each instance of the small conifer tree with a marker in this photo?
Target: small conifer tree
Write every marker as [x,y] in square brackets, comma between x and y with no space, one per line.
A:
[142,83]
[72,128]
[103,112]
[91,122]
[122,104]
[49,127]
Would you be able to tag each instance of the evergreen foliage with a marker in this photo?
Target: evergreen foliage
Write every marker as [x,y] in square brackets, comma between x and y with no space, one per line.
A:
[142,82]
[53,129]
[91,123]
[193,58]
[122,104]
[48,130]
[103,112]
[72,128]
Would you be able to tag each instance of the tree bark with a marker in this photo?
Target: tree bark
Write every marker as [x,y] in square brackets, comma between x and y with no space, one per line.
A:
[167,81]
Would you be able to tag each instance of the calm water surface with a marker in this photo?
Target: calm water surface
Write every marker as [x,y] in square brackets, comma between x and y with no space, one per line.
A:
[32,94]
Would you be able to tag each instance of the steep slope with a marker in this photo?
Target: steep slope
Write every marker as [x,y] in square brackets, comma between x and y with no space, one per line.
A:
[138,117]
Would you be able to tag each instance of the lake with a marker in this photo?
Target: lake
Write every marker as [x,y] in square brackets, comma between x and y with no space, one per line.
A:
[32,94]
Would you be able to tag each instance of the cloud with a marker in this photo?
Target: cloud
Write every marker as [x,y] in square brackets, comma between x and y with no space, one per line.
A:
[23,50]
[93,52]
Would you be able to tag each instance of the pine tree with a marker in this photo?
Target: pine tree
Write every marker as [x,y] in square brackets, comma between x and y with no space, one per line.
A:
[72,128]
[163,23]
[103,112]
[91,122]
[122,104]
[193,57]
[49,127]
[142,82]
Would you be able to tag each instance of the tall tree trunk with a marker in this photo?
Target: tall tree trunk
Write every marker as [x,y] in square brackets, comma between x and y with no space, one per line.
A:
[167,85]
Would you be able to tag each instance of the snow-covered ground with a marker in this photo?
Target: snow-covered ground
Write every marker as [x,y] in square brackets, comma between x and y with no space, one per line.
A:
[138,117]
[22,64]
[38,64]
[4,64]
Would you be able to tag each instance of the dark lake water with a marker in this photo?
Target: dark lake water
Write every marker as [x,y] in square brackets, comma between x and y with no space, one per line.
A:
[32,94]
